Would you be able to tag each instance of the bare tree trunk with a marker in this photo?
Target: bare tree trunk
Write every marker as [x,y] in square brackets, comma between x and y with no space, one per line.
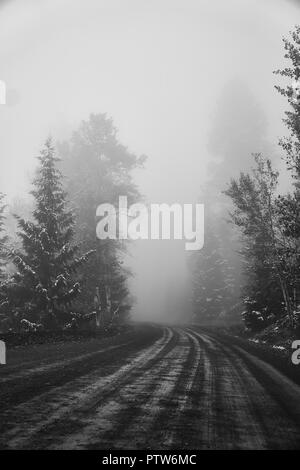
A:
[287,300]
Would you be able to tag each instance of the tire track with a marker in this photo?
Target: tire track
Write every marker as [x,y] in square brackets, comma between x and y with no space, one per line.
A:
[22,386]
[51,412]
[230,425]
[189,389]
[260,420]
[176,422]
[126,420]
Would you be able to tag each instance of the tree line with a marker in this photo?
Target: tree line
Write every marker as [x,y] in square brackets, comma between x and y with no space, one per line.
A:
[55,269]
[268,225]
[55,273]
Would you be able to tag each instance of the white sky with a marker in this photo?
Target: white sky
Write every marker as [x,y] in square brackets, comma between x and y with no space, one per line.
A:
[158,68]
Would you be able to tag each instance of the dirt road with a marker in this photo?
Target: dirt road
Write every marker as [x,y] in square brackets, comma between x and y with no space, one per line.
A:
[162,389]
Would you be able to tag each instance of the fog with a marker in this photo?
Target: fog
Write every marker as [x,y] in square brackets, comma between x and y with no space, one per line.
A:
[169,73]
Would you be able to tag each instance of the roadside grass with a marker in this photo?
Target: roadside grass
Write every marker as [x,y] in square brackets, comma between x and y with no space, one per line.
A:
[23,339]
[273,347]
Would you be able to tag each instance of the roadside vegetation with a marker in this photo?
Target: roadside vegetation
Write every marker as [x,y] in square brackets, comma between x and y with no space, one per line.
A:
[267,226]
[55,274]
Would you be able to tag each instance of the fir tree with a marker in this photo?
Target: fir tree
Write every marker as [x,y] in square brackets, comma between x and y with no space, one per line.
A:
[289,205]
[99,169]
[45,284]
[269,222]
[3,238]
[265,243]
[212,280]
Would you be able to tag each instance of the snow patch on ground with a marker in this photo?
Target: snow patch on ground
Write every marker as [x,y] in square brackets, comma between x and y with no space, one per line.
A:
[281,348]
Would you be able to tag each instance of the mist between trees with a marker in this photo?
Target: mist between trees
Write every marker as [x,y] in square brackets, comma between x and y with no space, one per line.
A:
[253,271]
[56,274]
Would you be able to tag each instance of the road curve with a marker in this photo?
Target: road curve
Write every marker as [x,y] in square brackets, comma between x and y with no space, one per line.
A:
[185,389]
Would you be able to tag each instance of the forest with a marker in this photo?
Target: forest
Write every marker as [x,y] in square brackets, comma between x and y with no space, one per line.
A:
[57,275]
[149,229]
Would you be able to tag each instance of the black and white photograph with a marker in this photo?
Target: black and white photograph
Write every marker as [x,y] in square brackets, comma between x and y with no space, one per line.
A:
[149,229]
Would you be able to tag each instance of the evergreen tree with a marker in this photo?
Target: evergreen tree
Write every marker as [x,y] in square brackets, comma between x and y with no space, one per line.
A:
[291,144]
[269,222]
[217,270]
[45,284]
[265,243]
[3,238]
[212,279]
[98,170]
[289,205]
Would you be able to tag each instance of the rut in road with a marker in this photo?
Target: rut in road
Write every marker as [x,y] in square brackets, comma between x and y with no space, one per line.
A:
[22,423]
[187,390]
